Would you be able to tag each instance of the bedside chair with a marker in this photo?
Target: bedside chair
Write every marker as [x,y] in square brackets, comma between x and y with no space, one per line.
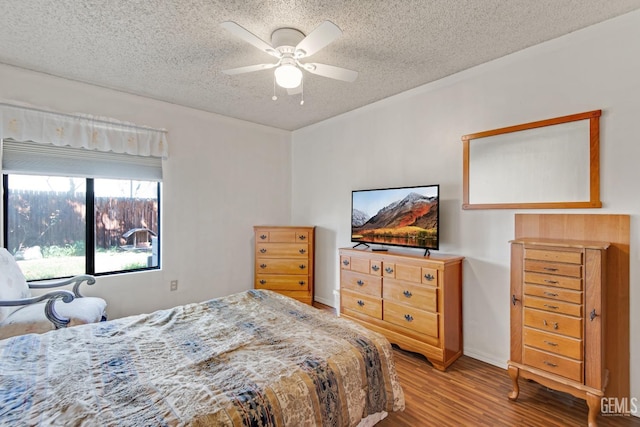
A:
[21,313]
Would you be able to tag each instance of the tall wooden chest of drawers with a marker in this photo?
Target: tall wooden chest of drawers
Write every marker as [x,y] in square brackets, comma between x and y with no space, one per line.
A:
[284,258]
[558,317]
[415,301]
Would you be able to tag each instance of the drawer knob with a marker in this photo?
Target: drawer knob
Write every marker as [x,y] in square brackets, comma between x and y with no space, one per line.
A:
[263,265]
[359,283]
[546,362]
[592,315]
[301,283]
[263,236]
[302,237]
[429,277]
[302,251]
[550,294]
[375,267]
[408,317]
[550,269]
[545,323]
[552,344]
[389,270]
[361,303]
[407,294]
[302,266]
[552,282]
[552,307]
[345,262]
[263,251]
[262,282]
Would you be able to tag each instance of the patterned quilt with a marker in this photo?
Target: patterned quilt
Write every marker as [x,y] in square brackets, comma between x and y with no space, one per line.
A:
[255,358]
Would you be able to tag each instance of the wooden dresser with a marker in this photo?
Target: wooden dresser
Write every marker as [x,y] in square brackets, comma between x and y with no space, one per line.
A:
[558,317]
[284,260]
[415,301]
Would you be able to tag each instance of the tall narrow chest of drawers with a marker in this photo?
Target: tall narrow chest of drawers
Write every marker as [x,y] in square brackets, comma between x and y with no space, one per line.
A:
[415,301]
[558,317]
[284,258]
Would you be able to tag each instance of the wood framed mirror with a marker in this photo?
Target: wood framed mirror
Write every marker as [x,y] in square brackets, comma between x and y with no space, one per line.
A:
[548,164]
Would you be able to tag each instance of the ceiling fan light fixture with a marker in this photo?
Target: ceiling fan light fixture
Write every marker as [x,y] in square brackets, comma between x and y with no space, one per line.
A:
[288,76]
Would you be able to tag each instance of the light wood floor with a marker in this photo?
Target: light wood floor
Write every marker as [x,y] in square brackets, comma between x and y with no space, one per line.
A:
[474,393]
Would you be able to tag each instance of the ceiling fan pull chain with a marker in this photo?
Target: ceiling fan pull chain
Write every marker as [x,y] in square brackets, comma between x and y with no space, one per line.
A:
[302,91]
[274,97]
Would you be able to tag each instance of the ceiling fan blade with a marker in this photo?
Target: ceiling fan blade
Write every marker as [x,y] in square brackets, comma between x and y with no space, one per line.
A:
[246,35]
[249,69]
[295,90]
[331,72]
[324,34]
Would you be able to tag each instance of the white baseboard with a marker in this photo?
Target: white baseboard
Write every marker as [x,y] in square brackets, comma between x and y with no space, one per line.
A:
[487,358]
[325,301]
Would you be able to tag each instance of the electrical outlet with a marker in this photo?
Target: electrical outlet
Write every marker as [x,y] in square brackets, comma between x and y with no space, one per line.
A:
[174,285]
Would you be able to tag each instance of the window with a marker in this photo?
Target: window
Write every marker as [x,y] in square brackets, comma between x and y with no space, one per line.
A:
[81,192]
[59,226]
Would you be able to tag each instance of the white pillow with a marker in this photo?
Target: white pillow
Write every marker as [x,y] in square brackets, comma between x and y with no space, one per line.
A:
[13,285]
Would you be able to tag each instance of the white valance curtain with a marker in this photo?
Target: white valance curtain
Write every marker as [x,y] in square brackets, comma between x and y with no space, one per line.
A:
[23,122]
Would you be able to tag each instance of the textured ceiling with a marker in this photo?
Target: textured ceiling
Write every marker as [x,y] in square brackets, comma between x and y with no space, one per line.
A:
[175,50]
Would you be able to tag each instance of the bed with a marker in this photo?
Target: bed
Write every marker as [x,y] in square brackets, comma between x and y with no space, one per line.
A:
[255,358]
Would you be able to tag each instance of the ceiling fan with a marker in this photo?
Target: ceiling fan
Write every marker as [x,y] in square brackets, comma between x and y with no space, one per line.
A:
[290,46]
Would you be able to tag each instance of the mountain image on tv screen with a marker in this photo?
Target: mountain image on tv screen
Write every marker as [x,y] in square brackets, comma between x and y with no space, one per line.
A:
[396,216]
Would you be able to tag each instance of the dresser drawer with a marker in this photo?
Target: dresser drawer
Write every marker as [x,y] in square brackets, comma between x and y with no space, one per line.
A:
[389,269]
[418,296]
[568,257]
[552,322]
[262,236]
[551,280]
[302,236]
[558,365]
[429,276]
[282,236]
[553,306]
[558,294]
[345,262]
[281,282]
[363,304]
[411,318]
[553,343]
[375,267]
[408,273]
[361,283]
[361,265]
[572,270]
[282,266]
[282,250]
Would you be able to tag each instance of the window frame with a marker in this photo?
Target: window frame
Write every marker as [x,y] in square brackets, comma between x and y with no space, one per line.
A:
[90,236]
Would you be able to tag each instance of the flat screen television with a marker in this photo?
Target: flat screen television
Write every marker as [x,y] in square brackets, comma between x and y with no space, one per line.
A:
[403,216]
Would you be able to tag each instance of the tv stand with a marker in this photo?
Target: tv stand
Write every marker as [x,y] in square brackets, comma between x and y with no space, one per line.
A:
[427,252]
[361,244]
[379,250]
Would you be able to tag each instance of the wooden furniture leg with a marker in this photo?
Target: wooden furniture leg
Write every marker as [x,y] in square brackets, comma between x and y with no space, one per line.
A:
[437,364]
[514,374]
[593,401]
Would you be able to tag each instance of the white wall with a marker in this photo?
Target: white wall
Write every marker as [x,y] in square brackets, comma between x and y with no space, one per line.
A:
[222,177]
[414,139]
